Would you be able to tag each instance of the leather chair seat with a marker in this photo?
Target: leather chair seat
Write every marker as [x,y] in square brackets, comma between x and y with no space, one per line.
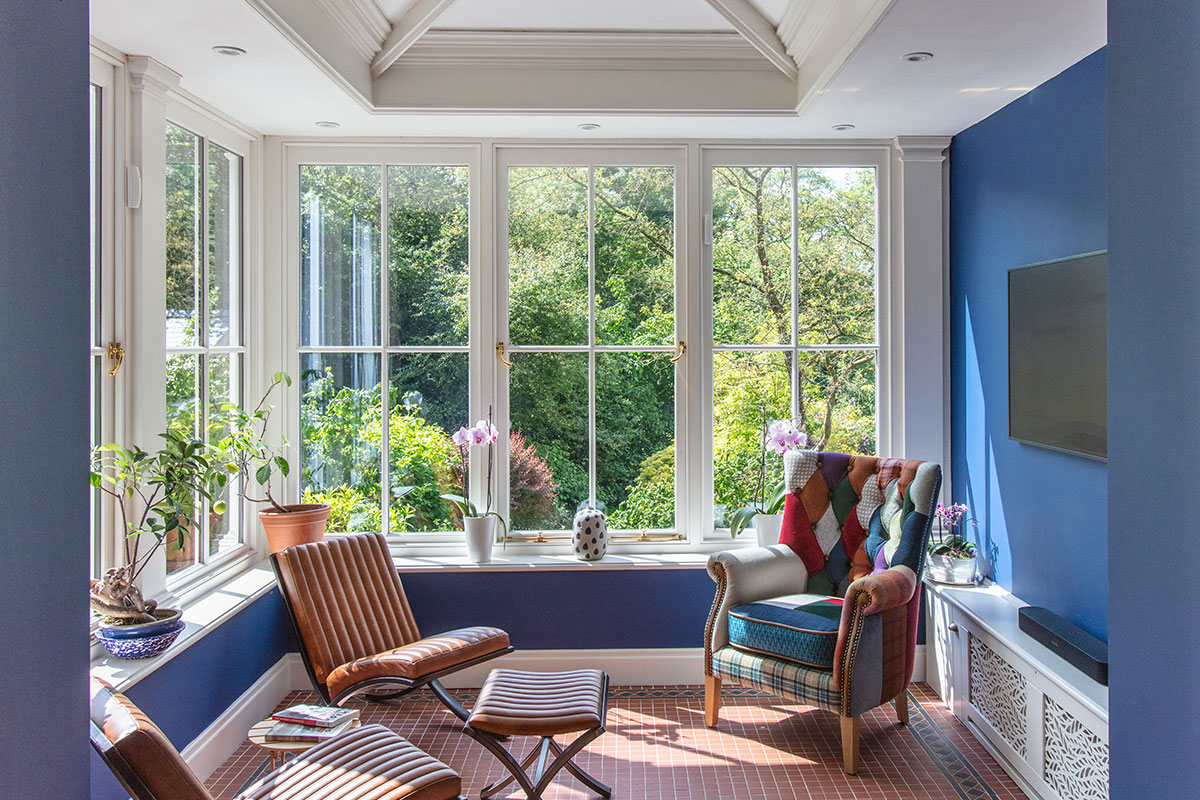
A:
[368,763]
[799,627]
[420,658]
[518,703]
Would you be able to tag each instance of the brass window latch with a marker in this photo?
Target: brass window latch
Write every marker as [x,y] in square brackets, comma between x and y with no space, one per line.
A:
[117,353]
[680,349]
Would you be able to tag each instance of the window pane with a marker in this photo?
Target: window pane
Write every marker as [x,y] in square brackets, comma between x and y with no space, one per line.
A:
[95,497]
[635,255]
[548,440]
[183,235]
[839,400]
[428,255]
[339,255]
[746,388]
[341,438]
[183,393]
[635,439]
[429,402]
[224,247]
[752,294]
[836,255]
[224,386]
[94,217]
[547,255]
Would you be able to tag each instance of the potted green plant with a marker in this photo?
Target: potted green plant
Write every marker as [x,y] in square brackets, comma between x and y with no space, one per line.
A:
[243,449]
[952,556]
[478,526]
[158,495]
[767,513]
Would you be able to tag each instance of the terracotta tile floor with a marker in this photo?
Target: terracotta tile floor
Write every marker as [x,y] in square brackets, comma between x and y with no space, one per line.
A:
[657,746]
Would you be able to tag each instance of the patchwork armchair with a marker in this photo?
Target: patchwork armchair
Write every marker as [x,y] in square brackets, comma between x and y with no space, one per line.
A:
[828,617]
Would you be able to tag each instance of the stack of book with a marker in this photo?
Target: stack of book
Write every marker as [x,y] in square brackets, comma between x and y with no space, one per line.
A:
[306,723]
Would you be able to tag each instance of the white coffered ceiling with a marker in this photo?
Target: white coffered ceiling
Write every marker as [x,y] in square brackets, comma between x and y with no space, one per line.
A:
[640,68]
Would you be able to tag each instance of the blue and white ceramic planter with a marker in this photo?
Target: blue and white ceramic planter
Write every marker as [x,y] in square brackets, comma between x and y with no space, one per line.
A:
[141,641]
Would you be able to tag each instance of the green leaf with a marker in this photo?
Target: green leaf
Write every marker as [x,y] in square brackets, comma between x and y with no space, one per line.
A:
[263,474]
[95,479]
[465,507]
[740,519]
[283,465]
[778,498]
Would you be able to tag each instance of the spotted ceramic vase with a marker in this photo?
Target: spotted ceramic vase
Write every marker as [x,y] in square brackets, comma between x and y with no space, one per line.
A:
[590,535]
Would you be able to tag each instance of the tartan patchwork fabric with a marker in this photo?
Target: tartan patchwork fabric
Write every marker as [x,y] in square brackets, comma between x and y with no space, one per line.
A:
[812,687]
[801,628]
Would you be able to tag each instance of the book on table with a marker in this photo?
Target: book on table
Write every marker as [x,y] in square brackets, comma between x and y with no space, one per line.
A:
[295,732]
[317,716]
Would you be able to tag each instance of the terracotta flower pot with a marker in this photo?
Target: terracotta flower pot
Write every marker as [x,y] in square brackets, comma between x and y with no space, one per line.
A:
[303,523]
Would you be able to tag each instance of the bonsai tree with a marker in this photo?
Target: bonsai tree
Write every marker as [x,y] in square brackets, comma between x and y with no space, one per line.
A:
[157,495]
[244,449]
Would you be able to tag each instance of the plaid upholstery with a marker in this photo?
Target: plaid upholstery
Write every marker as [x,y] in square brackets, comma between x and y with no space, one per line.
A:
[812,687]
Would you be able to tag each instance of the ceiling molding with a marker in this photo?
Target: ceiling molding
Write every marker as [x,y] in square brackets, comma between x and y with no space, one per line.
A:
[151,77]
[922,148]
[580,50]
[822,35]
[758,31]
[361,22]
[408,29]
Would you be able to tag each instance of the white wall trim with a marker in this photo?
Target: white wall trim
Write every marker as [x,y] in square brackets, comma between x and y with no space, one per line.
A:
[919,669]
[218,741]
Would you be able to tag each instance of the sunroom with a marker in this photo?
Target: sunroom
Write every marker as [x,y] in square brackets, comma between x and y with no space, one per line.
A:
[477,277]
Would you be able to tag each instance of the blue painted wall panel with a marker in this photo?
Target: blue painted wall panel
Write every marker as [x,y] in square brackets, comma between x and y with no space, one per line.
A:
[1027,184]
[1154,383]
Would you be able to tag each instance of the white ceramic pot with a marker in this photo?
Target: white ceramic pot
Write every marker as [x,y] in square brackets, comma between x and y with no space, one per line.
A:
[480,533]
[948,569]
[767,527]
[590,534]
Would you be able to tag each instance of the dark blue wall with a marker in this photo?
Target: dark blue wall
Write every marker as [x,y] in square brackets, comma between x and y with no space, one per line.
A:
[1153,396]
[188,693]
[43,397]
[1027,184]
[569,609]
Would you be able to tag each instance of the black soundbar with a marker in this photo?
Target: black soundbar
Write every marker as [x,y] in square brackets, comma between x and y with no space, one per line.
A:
[1077,647]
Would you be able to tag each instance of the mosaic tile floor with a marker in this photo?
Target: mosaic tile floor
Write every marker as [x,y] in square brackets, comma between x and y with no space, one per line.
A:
[657,746]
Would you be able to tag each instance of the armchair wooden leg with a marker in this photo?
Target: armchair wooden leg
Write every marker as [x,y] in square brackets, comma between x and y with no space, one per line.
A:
[712,699]
[850,730]
[902,708]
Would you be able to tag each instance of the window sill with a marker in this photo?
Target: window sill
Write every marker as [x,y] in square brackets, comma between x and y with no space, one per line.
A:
[202,615]
[502,562]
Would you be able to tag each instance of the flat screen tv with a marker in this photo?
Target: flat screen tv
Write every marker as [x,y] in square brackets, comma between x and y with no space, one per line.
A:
[1057,354]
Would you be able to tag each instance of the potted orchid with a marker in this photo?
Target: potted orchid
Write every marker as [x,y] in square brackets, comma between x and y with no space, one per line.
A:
[952,556]
[479,526]
[778,436]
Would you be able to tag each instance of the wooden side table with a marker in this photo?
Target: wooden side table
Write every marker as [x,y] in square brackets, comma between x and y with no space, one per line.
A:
[277,752]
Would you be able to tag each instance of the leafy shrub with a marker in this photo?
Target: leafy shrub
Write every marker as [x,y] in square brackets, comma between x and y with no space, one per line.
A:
[533,487]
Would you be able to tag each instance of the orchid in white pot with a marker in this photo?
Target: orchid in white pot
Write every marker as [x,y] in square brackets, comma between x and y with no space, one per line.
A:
[477,525]
[779,436]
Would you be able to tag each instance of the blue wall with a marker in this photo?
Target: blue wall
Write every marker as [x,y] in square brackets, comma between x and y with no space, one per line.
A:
[1153,396]
[43,397]
[1027,184]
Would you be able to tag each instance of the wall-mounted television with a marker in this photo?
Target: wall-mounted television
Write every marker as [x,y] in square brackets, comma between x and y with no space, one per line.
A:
[1057,354]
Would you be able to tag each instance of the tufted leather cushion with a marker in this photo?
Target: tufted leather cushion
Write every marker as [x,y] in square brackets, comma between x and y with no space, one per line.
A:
[420,658]
[847,516]
[517,703]
[801,627]
[368,763]
[143,746]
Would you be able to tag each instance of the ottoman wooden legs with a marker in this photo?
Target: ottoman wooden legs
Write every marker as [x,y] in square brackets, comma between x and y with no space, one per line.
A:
[542,704]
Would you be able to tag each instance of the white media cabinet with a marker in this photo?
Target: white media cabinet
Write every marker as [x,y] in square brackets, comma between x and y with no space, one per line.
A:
[1044,720]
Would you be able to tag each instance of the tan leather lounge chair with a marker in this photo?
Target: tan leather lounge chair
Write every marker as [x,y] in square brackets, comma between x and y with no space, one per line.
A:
[356,631]
[368,763]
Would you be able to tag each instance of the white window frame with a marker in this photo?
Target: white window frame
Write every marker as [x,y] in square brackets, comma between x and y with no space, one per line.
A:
[877,158]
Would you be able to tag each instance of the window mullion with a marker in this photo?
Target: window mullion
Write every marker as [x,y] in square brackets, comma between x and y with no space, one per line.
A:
[591,235]
[385,479]
[794,278]
[202,529]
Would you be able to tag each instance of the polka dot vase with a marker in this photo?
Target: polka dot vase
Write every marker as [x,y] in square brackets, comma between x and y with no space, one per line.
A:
[590,536]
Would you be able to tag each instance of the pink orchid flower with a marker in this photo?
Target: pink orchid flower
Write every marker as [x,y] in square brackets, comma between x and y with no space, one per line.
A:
[461,437]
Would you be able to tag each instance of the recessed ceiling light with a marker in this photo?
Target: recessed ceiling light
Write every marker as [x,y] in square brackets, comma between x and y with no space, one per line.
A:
[920,55]
[229,50]
[589,126]
[845,126]
[326,123]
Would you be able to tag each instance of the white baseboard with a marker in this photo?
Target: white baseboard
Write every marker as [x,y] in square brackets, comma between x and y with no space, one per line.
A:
[643,666]
[919,673]
[218,741]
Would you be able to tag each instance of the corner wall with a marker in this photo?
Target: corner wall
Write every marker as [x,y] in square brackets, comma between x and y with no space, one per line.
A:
[1027,184]
[1153,396]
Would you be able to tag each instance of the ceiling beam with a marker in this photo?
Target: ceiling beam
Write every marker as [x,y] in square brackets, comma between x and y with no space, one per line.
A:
[407,30]
[759,31]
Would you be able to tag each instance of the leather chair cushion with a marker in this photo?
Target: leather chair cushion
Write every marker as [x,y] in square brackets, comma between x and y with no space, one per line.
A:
[518,703]
[422,657]
[799,627]
[368,763]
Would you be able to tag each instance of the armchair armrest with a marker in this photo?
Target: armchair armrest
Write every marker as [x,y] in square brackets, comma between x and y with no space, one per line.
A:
[746,576]
[873,657]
